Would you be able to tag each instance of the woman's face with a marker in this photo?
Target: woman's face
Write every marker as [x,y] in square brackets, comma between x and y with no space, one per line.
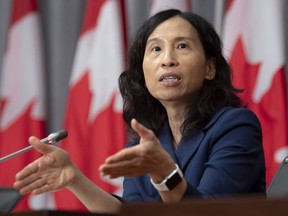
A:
[174,62]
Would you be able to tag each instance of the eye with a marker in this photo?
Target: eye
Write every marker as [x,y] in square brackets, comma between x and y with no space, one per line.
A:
[182,46]
[156,49]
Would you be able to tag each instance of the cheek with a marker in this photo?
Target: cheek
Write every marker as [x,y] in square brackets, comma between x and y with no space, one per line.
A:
[149,79]
[146,65]
[148,69]
[195,76]
[148,82]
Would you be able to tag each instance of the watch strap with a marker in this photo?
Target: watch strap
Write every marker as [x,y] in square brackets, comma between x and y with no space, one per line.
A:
[171,181]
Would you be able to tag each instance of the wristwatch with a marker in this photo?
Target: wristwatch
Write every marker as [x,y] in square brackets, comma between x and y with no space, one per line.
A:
[170,182]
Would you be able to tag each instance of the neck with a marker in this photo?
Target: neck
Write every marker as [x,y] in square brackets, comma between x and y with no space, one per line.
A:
[176,133]
[175,118]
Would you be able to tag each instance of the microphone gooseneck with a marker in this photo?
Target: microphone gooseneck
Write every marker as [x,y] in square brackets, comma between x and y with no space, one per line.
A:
[50,139]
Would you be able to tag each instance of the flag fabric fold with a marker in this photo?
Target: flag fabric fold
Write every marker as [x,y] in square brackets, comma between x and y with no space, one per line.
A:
[94,107]
[22,111]
[254,44]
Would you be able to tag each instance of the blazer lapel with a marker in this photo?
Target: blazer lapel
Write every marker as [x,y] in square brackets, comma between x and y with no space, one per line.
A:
[187,148]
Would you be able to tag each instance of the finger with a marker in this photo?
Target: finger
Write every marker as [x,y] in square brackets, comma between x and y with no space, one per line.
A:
[110,170]
[40,146]
[122,155]
[36,187]
[43,189]
[123,168]
[27,171]
[18,184]
[142,131]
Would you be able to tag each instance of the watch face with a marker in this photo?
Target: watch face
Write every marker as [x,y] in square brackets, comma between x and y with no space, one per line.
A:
[172,182]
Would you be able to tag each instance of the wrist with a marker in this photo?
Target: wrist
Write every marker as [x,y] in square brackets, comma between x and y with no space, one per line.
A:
[170,181]
[75,175]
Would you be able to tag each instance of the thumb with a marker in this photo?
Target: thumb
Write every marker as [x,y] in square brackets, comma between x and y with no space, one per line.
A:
[40,146]
[143,132]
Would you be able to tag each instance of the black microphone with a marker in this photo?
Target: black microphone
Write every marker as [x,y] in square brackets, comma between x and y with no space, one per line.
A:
[55,137]
[50,139]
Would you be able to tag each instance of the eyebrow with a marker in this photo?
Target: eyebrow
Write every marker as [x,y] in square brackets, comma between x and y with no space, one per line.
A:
[176,39]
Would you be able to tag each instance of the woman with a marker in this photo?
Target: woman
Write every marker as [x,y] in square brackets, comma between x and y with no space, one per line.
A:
[192,137]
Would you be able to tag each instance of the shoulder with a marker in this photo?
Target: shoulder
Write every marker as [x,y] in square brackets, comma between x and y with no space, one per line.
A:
[235,127]
[234,123]
[231,116]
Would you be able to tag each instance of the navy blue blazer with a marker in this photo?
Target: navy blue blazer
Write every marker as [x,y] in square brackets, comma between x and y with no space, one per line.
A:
[225,158]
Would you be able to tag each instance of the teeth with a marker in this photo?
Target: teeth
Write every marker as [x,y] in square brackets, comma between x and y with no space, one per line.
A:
[170,79]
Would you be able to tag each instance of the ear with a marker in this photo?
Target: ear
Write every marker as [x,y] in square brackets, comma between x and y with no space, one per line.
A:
[211,69]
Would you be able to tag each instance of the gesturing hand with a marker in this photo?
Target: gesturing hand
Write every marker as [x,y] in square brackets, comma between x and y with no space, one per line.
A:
[148,157]
[53,171]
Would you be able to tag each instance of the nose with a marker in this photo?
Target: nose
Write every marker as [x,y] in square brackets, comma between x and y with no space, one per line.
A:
[169,59]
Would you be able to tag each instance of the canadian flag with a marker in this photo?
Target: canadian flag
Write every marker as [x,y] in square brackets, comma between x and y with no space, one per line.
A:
[94,109]
[22,111]
[158,5]
[254,43]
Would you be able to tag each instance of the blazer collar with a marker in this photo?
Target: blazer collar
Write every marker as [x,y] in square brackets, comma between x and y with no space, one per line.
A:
[187,147]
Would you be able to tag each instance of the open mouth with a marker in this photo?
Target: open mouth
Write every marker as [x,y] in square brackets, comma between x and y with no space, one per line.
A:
[169,78]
